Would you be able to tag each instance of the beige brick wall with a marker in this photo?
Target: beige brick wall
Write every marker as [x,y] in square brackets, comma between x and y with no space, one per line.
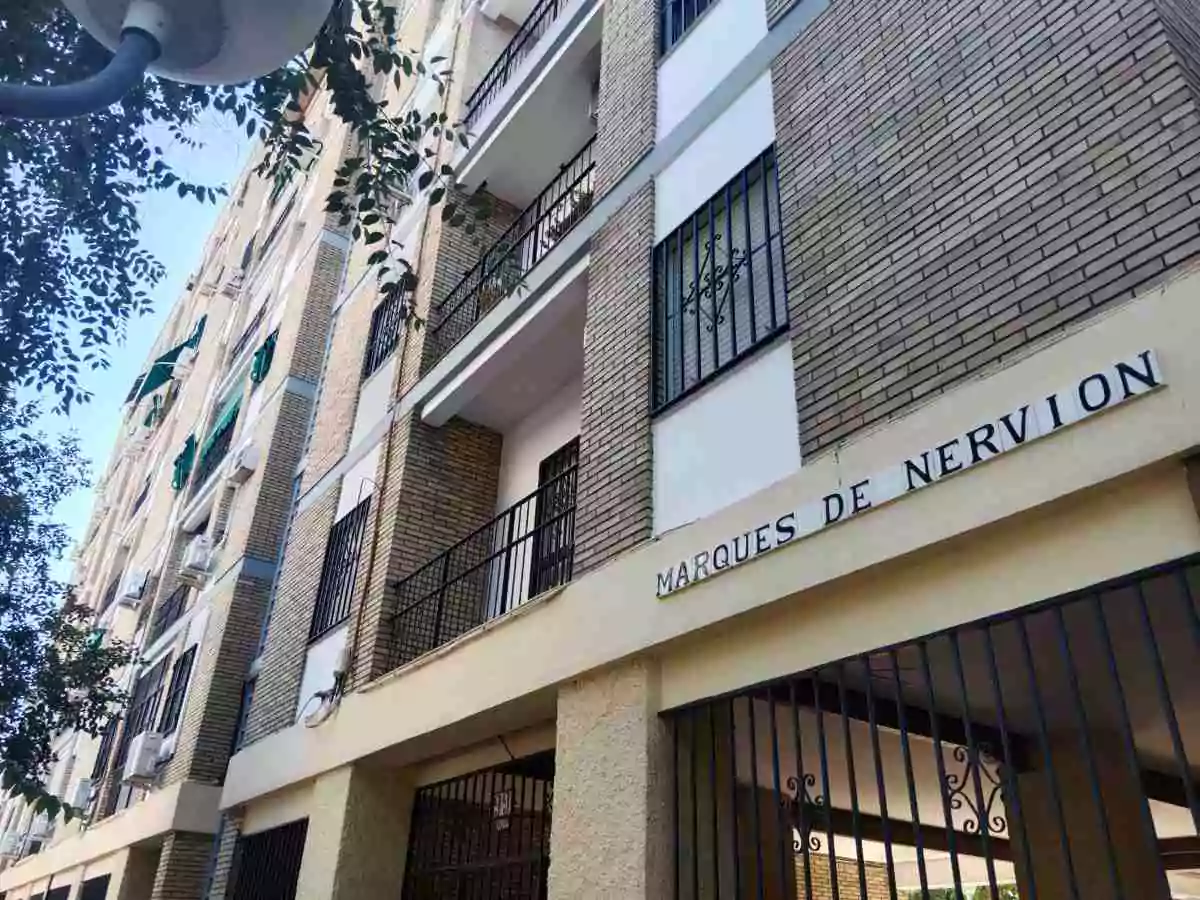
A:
[226,840]
[1041,162]
[819,872]
[182,865]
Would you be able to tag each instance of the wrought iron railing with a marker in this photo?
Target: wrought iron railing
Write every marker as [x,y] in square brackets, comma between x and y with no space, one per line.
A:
[387,324]
[335,591]
[536,24]
[247,333]
[527,549]
[537,231]
[167,613]
[214,455]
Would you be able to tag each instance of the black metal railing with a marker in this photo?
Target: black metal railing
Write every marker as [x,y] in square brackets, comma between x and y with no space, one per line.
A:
[167,613]
[678,16]
[387,324]
[266,865]
[172,707]
[248,333]
[527,549]
[557,210]
[143,710]
[1039,753]
[338,570]
[719,284]
[214,454]
[485,835]
[535,25]
[104,751]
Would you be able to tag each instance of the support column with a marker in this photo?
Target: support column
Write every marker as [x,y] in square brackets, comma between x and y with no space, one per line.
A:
[357,840]
[611,828]
[1138,863]
[182,866]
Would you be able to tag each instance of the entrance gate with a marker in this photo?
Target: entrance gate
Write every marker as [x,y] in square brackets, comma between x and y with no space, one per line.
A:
[1046,754]
[484,836]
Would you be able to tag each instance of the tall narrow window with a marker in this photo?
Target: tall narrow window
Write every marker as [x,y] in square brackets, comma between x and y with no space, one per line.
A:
[554,520]
[336,588]
[719,288]
[266,865]
[173,707]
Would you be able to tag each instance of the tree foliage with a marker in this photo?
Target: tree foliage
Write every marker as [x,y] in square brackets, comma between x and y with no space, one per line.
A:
[55,675]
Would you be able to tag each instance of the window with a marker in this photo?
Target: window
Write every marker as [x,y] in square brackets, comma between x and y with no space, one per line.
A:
[678,16]
[94,888]
[266,866]
[719,288]
[243,716]
[336,588]
[554,520]
[143,707]
[183,464]
[173,706]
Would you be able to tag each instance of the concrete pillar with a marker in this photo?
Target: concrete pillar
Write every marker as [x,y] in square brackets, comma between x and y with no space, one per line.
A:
[136,880]
[611,825]
[1139,865]
[182,866]
[357,839]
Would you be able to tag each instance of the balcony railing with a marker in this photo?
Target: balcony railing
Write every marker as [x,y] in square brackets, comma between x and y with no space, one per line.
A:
[526,550]
[247,333]
[537,231]
[167,614]
[535,25]
[387,323]
[213,455]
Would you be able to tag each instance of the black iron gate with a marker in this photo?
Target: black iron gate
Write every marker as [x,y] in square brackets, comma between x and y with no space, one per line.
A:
[484,836]
[1047,753]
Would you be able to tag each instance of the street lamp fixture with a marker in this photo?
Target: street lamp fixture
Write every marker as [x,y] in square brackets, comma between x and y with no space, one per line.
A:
[193,41]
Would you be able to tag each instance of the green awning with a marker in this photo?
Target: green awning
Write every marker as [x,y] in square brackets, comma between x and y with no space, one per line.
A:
[163,368]
[183,463]
[225,420]
[260,365]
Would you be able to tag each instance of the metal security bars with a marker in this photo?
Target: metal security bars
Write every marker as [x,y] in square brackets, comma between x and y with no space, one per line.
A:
[94,888]
[544,13]
[485,836]
[336,588]
[104,751]
[537,231]
[214,453]
[527,549]
[143,709]
[173,706]
[167,613]
[248,332]
[719,287]
[387,324]
[677,17]
[266,866]
[1050,752]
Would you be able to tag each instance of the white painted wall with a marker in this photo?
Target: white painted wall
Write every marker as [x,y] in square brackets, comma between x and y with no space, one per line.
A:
[722,150]
[373,399]
[534,438]
[732,439]
[706,54]
[359,483]
[318,669]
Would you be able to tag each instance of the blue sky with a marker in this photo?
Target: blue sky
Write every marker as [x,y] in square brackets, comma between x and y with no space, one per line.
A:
[174,230]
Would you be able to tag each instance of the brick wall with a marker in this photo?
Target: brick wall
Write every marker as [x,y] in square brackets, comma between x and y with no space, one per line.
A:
[961,178]
[182,866]
[226,840]
[278,684]
[614,502]
[820,872]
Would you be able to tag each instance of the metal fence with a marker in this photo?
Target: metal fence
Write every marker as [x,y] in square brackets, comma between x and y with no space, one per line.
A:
[387,324]
[335,591]
[537,231]
[167,613]
[527,549]
[485,836]
[719,285]
[539,20]
[1045,753]
[266,865]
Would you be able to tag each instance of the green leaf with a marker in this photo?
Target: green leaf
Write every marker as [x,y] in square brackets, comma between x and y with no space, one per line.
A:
[448,212]
[436,195]
[424,181]
[377,257]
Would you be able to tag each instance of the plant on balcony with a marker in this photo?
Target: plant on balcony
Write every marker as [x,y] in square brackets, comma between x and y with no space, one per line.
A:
[573,208]
[500,281]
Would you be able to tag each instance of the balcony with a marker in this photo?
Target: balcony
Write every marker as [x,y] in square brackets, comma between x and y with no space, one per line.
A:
[526,550]
[544,223]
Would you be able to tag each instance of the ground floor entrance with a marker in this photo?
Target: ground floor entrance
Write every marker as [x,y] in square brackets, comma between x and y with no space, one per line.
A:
[1044,754]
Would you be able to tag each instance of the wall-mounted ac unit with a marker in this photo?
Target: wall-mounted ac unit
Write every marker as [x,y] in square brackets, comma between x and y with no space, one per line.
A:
[143,758]
[132,588]
[82,793]
[243,462]
[197,560]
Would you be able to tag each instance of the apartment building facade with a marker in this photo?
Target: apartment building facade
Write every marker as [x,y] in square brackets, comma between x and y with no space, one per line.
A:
[180,554]
[791,495]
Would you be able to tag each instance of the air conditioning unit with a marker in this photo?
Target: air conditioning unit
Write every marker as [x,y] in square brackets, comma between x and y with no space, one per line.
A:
[82,793]
[197,560]
[132,588]
[243,462]
[143,758]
